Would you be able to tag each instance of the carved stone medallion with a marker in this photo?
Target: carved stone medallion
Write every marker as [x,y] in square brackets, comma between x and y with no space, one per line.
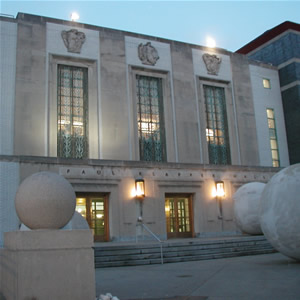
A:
[147,54]
[212,63]
[73,40]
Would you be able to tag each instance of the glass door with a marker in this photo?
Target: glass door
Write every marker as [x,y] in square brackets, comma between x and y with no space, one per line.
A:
[178,211]
[94,208]
[98,222]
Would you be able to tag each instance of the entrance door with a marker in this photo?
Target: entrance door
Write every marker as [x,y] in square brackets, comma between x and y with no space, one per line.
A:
[94,209]
[178,209]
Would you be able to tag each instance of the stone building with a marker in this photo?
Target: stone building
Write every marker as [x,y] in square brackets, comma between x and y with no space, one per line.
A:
[105,108]
[280,46]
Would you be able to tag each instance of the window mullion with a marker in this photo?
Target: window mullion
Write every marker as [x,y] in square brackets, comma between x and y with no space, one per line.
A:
[150,118]
[72,94]
[59,110]
[71,112]
[140,131]
[216,134]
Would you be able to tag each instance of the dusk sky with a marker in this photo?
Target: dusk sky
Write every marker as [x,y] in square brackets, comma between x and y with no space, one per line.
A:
[231,23]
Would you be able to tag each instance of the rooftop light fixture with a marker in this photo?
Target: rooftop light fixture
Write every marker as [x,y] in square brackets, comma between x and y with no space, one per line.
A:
[210,42]
[74,16]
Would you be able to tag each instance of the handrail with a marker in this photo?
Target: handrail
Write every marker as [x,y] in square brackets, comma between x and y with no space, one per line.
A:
[152,233]
[140,223]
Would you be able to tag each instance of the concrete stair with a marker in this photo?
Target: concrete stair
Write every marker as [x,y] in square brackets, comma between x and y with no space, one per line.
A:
[145,253]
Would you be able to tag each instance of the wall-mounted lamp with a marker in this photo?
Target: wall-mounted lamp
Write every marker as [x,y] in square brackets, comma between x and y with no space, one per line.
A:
[140,188]
[219,193]
[220,190]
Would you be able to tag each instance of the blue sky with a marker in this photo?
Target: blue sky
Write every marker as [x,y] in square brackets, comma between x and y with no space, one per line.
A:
[231,23]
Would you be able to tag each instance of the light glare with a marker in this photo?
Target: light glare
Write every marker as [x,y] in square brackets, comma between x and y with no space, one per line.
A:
[140,189]
[210,42]
[74,16]
[218,190]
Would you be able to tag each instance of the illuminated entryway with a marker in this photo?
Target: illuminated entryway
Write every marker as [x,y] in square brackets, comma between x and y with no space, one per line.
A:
[178,209]
[94,208]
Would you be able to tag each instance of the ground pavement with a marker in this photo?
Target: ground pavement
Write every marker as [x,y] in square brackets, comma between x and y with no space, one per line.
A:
[270,276]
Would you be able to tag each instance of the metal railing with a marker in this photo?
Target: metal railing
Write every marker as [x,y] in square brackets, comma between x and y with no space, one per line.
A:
[140,223]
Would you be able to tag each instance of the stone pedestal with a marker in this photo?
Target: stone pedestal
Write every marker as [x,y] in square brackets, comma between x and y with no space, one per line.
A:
[48,264]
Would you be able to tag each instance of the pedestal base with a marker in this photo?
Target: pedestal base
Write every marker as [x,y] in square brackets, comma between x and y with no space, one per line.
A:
[48,264]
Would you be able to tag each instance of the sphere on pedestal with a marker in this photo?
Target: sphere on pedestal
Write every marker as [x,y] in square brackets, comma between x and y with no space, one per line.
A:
[45,200]
[77,222]
[280,211]
[247,207]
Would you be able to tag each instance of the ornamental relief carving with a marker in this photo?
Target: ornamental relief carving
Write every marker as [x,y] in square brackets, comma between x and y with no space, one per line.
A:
[212,63]
[147,54]
[73,40]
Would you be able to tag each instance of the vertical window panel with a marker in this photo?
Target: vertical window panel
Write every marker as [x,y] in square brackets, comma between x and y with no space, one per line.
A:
[150,118]
[72,98]
[216,128]
[273,137]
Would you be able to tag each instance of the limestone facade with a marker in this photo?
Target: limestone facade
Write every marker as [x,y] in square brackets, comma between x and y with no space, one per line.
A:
[35,49]
[116,179]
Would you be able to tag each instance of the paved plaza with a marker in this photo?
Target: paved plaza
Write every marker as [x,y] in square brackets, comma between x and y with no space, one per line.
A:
[269,276]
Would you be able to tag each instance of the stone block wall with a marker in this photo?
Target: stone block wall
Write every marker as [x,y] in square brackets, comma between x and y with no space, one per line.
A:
[112,59]
[8,31]
[9,182]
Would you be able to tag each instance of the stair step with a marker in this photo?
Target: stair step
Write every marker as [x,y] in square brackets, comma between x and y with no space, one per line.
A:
[155,248]
[167,254]
[181,259]
[179,251]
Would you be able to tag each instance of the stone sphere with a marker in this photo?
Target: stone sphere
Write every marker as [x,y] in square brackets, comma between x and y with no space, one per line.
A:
[24,228]
[247,207]
[45,200]
[280,211]
[77,222]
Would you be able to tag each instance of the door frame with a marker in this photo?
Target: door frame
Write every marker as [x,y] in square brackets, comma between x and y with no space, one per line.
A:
[190,234]
[88,197]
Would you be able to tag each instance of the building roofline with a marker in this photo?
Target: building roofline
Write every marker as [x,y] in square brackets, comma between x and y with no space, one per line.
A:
[43,19]
[268,35]
[25,17]
[7,18]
